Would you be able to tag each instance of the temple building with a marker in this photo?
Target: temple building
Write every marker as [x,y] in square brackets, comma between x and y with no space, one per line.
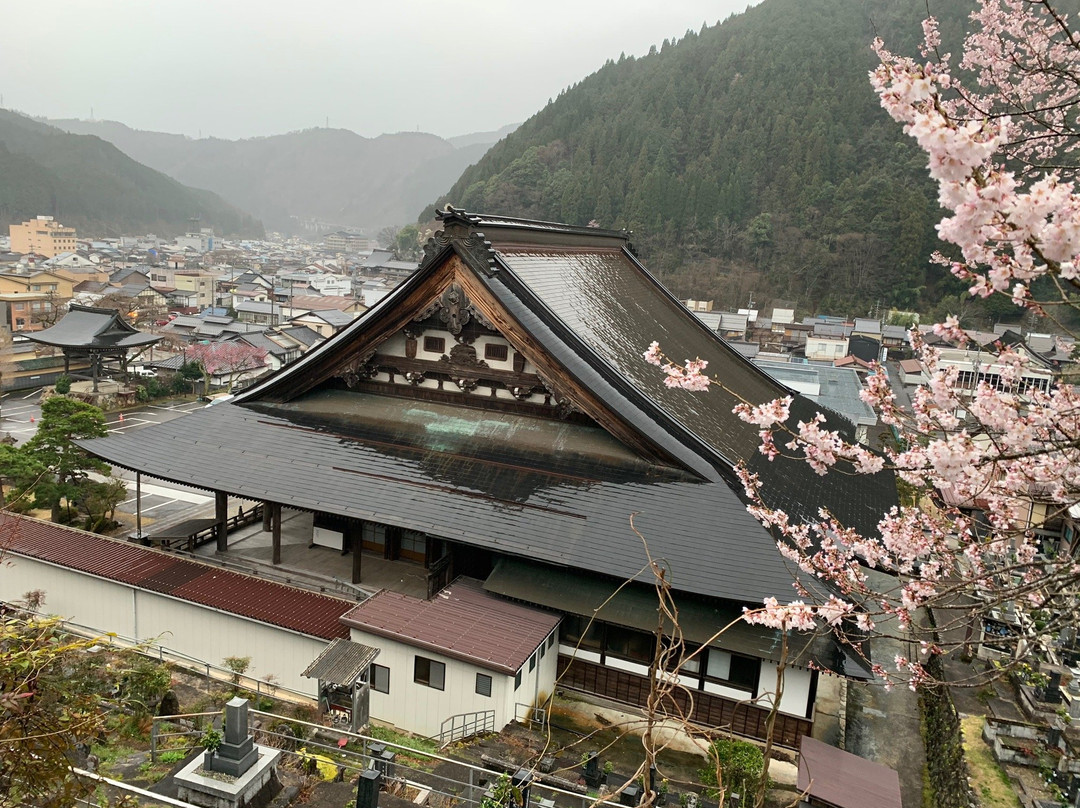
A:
[492,422]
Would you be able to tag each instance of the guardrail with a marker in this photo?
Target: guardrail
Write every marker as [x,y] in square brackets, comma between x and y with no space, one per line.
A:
[466,725]
[457,781]
[212,671]
[528,714]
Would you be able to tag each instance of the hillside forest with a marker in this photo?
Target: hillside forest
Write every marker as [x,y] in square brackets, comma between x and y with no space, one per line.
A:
[750,158]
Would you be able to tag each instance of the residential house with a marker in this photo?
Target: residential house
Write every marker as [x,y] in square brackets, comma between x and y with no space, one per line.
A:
[282,345]
[825,347]
[477,424]
[838,389]
[325,323]
[911,372]
[41,281]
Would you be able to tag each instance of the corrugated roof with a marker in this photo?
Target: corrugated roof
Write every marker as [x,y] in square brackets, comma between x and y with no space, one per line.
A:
[462,621]
[342,662]
[145,568]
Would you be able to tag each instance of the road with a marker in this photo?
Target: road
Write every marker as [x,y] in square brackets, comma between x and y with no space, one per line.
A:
[161,501]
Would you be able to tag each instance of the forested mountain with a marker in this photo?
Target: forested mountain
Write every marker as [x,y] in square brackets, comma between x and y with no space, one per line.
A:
[91,185]
[752,157]
[333,176]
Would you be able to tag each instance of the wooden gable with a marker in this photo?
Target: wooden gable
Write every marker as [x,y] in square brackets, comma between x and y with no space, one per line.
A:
[447,339]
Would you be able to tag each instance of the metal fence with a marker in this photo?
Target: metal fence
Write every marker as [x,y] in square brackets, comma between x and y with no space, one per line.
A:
[261,687]
[414,772]
[466,725]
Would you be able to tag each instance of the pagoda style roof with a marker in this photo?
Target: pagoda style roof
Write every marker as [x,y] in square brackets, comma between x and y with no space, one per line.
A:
[93,329]
[555,481]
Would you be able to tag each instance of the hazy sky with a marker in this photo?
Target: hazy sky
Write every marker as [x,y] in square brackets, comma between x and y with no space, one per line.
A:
[235,68]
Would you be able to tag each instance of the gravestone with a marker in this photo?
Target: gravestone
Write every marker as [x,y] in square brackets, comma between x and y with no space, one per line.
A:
[237,752]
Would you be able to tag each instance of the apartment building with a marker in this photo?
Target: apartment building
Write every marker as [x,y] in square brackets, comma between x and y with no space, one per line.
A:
[43,235]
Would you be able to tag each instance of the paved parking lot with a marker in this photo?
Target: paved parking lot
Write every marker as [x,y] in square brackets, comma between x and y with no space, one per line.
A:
[19,416]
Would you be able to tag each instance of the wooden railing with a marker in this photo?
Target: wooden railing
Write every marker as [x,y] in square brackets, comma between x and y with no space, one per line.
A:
[705,709]
[209,534]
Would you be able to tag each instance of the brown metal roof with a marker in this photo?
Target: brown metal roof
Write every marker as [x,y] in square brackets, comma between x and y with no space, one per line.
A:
[833,777]
[462,621]
[269,602]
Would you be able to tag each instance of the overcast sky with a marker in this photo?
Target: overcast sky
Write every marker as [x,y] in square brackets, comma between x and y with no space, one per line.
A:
[236,68]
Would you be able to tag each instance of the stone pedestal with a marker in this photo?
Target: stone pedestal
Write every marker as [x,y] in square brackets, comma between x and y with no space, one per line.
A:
[237,751]
[195,787]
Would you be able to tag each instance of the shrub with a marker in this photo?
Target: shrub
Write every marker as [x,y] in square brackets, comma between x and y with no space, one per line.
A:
[741,764]
[63,385]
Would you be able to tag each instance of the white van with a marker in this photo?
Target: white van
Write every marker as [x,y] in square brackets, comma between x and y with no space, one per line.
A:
[147,373]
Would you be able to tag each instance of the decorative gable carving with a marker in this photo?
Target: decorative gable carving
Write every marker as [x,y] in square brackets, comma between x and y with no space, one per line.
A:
[454,309]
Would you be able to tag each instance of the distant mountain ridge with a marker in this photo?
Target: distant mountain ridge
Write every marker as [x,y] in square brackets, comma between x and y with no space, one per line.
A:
[751,160]
[330,175]
[88,183]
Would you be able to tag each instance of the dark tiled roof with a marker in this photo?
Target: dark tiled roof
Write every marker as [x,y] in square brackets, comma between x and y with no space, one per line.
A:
[471,482]
[462,621]
[302,333]
[614,309]
[86,326]
[268,602]
[581,296]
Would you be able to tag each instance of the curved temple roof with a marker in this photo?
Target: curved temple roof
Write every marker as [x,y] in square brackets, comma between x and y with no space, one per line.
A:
[92,329]
[578,299]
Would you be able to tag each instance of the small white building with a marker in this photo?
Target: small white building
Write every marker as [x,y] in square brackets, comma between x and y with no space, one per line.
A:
[460,653]
[826,348]
[911,372]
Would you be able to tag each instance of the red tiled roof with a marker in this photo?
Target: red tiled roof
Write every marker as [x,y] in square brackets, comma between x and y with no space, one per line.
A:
[462,621]
[143,567]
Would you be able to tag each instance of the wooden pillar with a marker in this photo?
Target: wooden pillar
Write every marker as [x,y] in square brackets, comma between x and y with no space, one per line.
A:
[356,535]
[221,513]
[277,532]
[267,517]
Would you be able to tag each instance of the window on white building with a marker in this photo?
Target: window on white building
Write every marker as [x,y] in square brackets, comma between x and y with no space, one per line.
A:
[429,672]
[483,684]
[380,678]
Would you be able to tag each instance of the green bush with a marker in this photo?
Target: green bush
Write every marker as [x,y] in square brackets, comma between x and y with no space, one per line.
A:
[741,765]
[63,385]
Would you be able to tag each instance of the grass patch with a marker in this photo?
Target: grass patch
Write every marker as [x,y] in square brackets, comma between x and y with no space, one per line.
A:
[401,739]
[990,781]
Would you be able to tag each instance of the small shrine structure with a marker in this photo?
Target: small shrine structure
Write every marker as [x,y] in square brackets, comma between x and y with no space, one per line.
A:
[98,335]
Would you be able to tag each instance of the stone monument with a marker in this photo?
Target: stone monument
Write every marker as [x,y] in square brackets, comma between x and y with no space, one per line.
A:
[237,752]
[238,773]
